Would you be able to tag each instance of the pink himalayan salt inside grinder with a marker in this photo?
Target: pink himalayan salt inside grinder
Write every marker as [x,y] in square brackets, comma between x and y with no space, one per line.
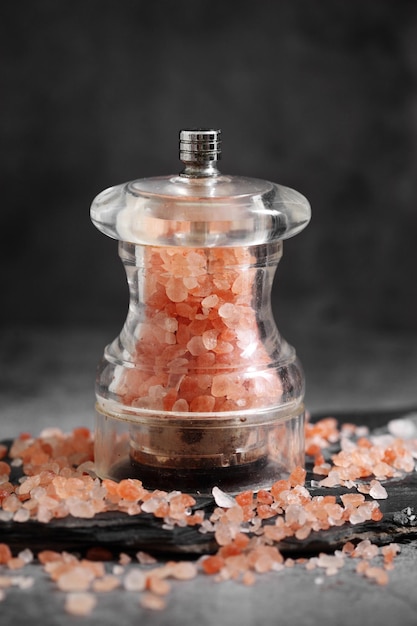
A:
[199,389]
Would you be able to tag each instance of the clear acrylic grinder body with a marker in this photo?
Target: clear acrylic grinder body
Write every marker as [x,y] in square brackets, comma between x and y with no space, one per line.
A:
[199,389]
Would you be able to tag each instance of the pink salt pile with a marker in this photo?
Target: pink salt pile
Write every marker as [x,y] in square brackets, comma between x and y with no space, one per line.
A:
[249,528]
[198,336]
[59,480]
[360,456]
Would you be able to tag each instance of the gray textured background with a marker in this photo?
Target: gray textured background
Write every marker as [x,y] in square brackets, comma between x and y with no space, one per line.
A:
[319,95]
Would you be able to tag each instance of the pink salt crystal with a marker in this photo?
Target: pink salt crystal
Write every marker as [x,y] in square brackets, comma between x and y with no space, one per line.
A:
[197,262]
[295,515]
[361,514]
[78,578]
[196,346]
[209,338]
[171,324]
[135,580]
[330,562]
[303,532]
[405,463]
[181,406]
[29,483]
[21,515]
[87,467]
[210,301]
[378,574]
[124,559]
[44,514]
[150,505]
[222,499]
[223,534]
[404,428]
[158,585]
[202,404]
[80,603]
[243,283]
[105,584]
[145,559]
[80,508]
[234,514]
[352,499]
[170,338]
[377,491]
[248,578]
[26,555]
[176,290]
[391,550]
[332,480]
[190,282]
[263,563]
[365,550]
[15,563]
[184,570]
[152,601]
[11,503]
[363,488]
[227,385]
[228,310]
[223,347]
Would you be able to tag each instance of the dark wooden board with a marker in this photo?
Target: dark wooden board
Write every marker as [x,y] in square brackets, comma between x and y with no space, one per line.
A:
[119,532]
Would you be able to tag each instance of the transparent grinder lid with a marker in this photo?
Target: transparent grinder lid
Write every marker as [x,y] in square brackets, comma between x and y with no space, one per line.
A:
[199,388]
[200,206]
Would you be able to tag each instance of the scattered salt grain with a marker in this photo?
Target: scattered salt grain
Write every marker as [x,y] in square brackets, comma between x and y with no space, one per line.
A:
[21,515]
[105,584]
[135,580]
[159,586]
[145,559]
[152,601]
[223,499]
[247,545]
[124,559]
[378,574]
[404,428]
[377,491]
[26,555]
[15,563]
[78,578]
[80,603]
[184,570]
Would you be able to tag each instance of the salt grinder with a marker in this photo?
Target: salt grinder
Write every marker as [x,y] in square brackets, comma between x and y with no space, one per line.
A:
[199,389]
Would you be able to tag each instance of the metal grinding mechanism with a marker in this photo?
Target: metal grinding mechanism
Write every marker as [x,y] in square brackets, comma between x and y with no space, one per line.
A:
[199,389]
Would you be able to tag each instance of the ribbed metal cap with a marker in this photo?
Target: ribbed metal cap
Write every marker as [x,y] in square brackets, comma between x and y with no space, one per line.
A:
[200,145]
